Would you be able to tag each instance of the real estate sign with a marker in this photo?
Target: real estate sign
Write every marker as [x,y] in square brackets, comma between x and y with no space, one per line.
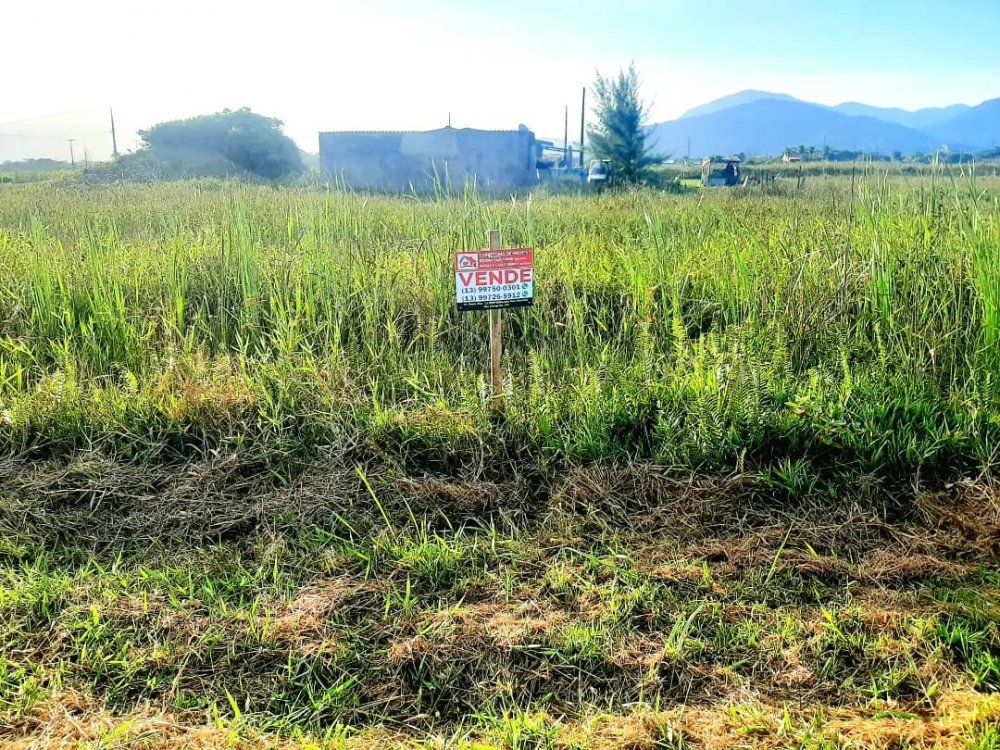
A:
[489,279]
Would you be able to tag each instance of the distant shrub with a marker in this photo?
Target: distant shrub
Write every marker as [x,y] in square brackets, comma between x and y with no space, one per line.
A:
[251,142]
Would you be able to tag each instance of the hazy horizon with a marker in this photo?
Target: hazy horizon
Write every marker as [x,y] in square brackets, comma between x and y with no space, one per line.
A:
[392,65]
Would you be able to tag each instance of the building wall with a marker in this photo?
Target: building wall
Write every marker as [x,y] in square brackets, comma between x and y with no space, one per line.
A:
[399,161]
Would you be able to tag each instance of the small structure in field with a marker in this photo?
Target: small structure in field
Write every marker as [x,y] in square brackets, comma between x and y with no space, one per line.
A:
[599,173]
[790,158]
[720,172]
[425,160]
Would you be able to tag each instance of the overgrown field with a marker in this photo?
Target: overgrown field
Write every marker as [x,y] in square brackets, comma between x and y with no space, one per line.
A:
[741,493]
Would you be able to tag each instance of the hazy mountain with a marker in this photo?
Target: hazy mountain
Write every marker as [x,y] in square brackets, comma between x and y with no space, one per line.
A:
[978,127]
[768,126]
[735,100]
[920,119]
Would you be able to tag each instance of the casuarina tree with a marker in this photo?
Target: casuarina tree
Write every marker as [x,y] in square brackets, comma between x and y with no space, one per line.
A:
[620,133]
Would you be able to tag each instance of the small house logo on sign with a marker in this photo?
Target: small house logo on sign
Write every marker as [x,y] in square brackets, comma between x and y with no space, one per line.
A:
[490,279]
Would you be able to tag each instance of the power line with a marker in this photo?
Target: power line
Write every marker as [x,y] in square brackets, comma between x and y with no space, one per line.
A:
[50,116]
[61,136]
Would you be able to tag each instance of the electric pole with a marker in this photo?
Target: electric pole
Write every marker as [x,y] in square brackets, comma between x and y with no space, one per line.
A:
[583,117]
[72,160]
[114,138]
[567,159]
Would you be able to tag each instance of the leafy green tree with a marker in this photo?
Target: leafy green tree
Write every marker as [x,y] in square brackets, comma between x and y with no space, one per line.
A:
[252,142]
[620,133]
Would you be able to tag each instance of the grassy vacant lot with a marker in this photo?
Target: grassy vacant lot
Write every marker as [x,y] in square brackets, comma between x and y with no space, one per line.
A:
[742,492]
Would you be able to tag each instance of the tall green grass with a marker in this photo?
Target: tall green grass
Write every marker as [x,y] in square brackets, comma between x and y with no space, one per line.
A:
[851,327]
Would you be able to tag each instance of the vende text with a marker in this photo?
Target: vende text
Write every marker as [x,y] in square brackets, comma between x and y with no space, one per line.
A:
[488,278]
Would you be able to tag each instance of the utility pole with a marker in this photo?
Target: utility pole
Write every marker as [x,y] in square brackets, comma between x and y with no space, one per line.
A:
[114,138]
[583,119]
[72,159]
[567,158]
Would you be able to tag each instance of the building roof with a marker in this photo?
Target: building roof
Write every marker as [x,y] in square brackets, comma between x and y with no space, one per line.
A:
[420,132]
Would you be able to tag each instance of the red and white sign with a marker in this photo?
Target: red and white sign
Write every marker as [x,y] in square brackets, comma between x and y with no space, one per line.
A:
[487,279]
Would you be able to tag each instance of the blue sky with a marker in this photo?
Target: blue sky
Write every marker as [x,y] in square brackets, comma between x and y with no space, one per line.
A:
[396,64]
[834,36]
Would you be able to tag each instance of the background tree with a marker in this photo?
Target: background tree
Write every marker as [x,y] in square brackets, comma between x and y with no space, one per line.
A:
[620,133]
[252,142]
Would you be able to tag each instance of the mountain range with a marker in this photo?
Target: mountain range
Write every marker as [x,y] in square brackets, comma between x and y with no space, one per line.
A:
[765,123]
[756,123]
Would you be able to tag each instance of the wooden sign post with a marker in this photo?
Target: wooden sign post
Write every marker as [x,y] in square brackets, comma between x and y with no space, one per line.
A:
[492,280]
[496,339]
